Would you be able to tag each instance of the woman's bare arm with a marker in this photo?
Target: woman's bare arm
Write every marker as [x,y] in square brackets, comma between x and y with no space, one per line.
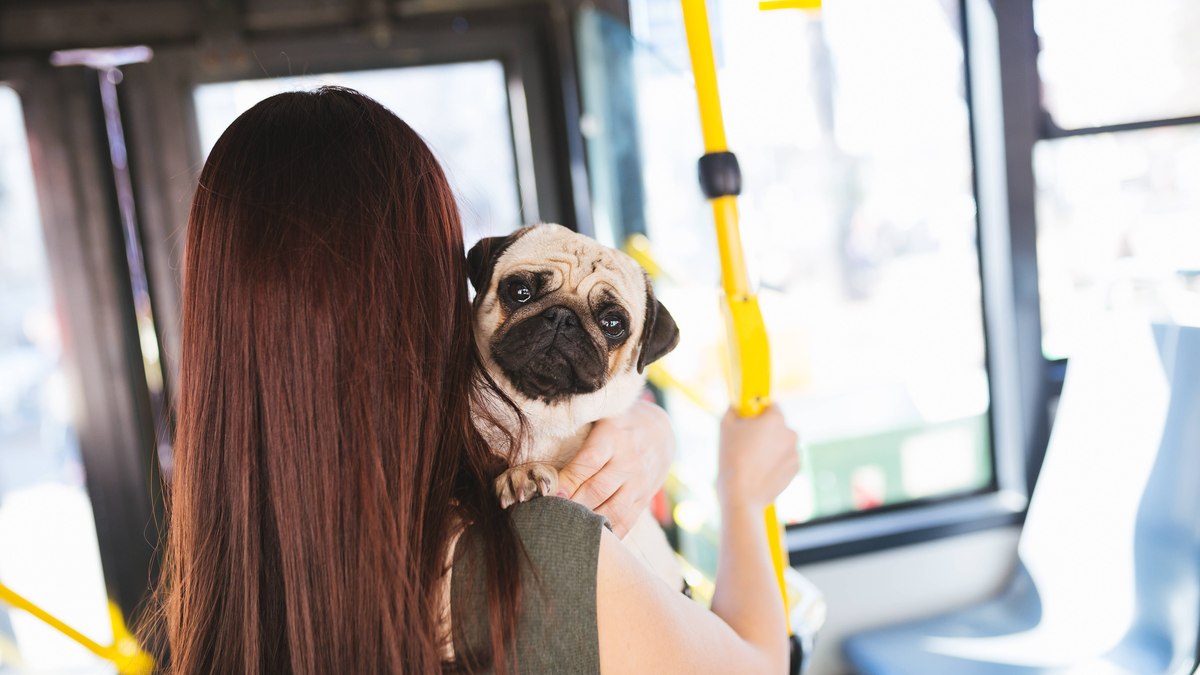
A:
[646,627]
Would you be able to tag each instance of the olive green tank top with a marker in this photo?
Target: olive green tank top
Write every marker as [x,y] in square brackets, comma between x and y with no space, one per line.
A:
[557,629]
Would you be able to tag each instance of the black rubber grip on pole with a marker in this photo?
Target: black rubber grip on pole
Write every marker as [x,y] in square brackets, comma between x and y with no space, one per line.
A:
[720,175]
[797,659]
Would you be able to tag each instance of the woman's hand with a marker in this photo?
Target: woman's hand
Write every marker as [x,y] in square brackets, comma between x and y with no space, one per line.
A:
[758,458]
[622,464]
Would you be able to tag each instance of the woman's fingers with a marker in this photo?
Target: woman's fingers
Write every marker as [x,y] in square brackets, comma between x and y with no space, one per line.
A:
[622,510]
[585,479]
[658,442]
[621,465]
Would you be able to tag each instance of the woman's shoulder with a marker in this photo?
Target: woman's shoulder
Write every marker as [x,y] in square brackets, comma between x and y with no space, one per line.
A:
[557,629]
[560,539]
[554,520]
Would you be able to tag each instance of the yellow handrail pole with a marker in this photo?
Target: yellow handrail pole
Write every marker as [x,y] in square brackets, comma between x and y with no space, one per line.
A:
[704,71]
[13,599]
[637,246]
[750,384]
[789,4]
[124,653]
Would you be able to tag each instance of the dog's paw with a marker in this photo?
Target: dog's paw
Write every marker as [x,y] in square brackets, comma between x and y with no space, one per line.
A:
[522,483]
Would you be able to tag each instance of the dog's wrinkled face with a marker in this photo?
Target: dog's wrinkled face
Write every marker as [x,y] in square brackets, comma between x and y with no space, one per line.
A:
[560,315]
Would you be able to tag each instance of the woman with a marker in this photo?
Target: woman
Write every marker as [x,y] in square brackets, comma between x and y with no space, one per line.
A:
[326,462]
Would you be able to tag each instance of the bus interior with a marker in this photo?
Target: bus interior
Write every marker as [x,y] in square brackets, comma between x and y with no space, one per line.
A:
[973,227]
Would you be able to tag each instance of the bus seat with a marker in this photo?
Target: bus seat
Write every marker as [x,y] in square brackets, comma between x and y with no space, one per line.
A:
[1108,579]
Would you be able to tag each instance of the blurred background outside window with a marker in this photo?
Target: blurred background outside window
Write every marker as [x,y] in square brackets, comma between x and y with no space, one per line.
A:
[48,549]
[1118,210]
[460,109]
[1109,62]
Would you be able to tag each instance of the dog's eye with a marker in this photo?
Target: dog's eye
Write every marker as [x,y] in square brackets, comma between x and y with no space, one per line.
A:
[519,292]
[613,326]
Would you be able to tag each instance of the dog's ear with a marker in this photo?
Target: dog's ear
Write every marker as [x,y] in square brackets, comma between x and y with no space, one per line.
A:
[659,334]
[482,257]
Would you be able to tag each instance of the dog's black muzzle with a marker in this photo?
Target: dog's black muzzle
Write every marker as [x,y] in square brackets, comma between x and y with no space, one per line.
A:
[551,356]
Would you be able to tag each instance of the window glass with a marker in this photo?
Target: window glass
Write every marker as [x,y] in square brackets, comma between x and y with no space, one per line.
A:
[1106,61]
[1118,229]
[48,550]
[460,109]
[859,221]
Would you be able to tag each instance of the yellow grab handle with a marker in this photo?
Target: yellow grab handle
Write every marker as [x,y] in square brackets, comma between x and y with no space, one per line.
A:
[789,4]
[750,381]
[124,653]
[750,356]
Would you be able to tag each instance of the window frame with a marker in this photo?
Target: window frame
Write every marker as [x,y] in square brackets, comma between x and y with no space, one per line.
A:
[1000,77]
[528,42]
[113,417]
[999,57]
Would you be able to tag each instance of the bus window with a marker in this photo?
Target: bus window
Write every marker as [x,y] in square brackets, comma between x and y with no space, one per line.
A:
[48,549]
[460,109]
[1118,173]
[858,213]
[1118,229]
[1100,64]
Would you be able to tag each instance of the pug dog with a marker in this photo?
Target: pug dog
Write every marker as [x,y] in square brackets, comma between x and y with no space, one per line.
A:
[565,327]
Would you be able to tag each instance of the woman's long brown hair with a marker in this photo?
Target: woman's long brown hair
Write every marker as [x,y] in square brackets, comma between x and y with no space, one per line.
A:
[326,389]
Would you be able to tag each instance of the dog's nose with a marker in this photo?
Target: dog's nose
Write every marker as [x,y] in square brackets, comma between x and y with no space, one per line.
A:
[561,317]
